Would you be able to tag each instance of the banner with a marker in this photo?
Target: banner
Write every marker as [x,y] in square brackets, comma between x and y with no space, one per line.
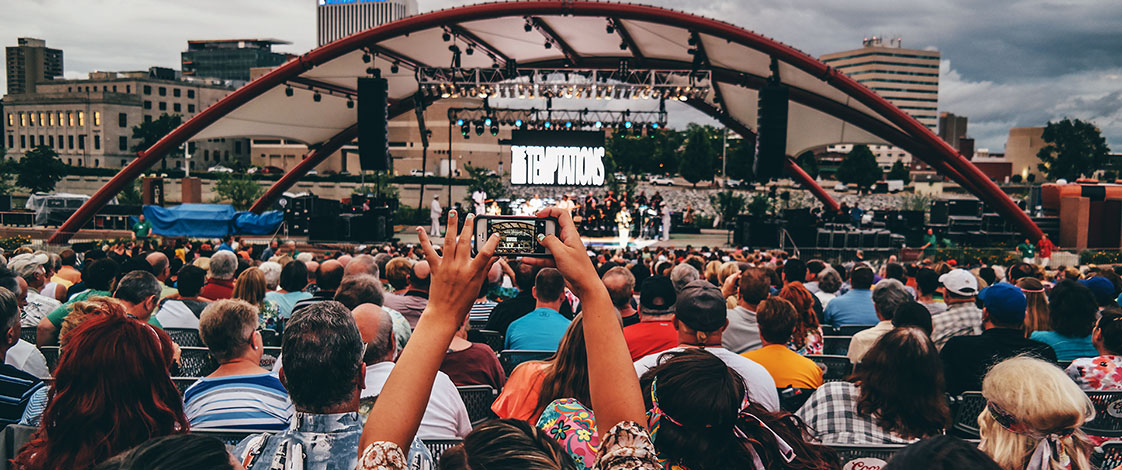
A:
[557,158]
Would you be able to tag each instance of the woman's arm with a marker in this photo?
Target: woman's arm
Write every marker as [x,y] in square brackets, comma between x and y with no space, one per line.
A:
[612,382]
[456,278]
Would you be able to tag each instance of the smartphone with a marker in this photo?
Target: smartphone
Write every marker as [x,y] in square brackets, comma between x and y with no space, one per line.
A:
[518,235]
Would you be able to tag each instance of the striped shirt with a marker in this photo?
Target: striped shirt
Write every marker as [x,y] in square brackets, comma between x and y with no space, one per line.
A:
[256,401]
[481,311]
[16,387]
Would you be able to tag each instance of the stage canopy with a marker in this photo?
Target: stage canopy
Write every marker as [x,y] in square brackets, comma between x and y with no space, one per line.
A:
[307,99]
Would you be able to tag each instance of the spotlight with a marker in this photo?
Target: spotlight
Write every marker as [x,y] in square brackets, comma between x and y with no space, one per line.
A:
[494,130]
[692,41]
[548,124]
[598,124]
[623,46]
[548,45]
[518,123]
[654,125]
[611,29]
[288,91]
[627,124]
[366,58]
[316,97]
[470,50]
[465,129]
[568,124]
[350,104]
[460,122]
[447,37]
[487,122]
[394,68]
[478,128]
[527,27]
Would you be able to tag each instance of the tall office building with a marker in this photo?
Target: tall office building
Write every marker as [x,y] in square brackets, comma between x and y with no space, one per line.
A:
[230,59]
[31,62]
[336,19]
[952,128]
[907,78]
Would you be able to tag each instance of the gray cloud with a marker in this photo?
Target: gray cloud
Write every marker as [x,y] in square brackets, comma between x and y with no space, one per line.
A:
[1007,63]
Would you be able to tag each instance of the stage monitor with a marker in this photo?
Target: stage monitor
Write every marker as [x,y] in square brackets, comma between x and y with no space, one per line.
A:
[558,158]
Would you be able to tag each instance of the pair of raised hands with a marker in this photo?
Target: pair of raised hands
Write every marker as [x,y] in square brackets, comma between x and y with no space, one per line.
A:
[457,276]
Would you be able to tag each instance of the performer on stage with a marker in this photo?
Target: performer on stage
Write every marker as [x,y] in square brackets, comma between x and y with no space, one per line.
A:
[434,213]
[623,224]
[479,197]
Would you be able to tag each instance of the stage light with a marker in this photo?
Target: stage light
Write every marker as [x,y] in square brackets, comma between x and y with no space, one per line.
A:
[394,68]
[598,124]
[366,58]
[518,123]
[470,50]
[487,122]
[623,46]
[548,45]
[459,122]
[627,124]
[288,91]
[654,125]
[350,104]
[478,128]
[610,29]
[548,124]
[495,130]
[568,124]
[527,27]
[447,37]
[465,129]
[316,97]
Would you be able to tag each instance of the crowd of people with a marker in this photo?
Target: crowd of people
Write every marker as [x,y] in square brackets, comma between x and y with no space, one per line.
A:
[655,358]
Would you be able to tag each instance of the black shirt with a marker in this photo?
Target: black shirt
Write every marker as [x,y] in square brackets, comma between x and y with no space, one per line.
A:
[967,358]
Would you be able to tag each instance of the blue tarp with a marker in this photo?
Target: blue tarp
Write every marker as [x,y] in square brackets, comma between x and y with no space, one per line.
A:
[209,221]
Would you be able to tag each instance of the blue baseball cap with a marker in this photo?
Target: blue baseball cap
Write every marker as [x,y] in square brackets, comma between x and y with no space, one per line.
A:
[1102,288]
[1004,302]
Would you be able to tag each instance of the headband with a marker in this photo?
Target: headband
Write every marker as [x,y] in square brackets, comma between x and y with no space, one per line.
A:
[1032,291]
[1049,445]
[656,414]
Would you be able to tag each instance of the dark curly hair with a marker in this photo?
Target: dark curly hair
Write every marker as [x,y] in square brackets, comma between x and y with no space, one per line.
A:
[507,444]
[901,384]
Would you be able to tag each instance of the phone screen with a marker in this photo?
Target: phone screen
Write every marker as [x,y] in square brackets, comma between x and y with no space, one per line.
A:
[517,236]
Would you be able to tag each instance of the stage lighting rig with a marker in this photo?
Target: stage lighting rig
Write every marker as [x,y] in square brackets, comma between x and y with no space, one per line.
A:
[492,119]
[452,82]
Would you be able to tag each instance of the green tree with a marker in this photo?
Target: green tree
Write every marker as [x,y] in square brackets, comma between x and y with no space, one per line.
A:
[728,204]
[239,190]
[482,178]
[628,152]
[667,149]
[899,171]
[809,163]
[1074,149]
[741,155]
[697,159]
[380,185]
[40,170]
[8,168]
[147,133]
[860,168]
[130,195]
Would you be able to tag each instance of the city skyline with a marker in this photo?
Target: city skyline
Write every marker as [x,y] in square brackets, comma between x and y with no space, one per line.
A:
[1013,65]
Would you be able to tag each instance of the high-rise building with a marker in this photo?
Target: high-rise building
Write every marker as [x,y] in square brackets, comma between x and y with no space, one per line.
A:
[230,59]
[89,122]
[907,78]
[336,19]
[952,128]
[31,62]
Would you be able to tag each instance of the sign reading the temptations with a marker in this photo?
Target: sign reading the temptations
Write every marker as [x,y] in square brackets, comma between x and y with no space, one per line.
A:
[562,158]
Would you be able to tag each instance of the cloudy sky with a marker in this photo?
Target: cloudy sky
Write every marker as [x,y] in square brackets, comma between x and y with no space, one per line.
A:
[1006,63]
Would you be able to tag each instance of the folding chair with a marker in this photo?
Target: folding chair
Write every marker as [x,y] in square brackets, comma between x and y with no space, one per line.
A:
[510,359]
[834,368]
[478,400]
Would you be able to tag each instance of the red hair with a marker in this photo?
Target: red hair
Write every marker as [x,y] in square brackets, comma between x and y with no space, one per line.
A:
[112,391]
[803,301]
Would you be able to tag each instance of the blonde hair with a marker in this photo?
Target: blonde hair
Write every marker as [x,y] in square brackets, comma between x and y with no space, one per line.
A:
[728,269]
[712,272]
[250,287]
[84,310]
[1044,400]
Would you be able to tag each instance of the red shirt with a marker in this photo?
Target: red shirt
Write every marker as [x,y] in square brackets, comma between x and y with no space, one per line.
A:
[217,289]
[476,365]
[1045,247]
[650,337]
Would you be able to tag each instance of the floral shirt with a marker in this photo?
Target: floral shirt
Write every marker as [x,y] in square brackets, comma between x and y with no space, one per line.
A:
[269,314]
[626,447]
[1097,374]
[574,426]
[814,343]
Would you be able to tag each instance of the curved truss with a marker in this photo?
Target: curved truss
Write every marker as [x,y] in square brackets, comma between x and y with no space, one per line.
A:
[815,87]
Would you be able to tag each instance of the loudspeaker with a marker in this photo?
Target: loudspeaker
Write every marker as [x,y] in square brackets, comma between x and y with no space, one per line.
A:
[939,212]
[324,228]
[771,145]
[373,133]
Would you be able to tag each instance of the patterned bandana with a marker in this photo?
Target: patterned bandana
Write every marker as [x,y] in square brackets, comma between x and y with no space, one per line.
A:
[1049,447]
[656,414]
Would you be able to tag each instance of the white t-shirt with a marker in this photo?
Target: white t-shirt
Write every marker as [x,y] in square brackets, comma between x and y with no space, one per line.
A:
[445,417]
[761,387]
[26,357]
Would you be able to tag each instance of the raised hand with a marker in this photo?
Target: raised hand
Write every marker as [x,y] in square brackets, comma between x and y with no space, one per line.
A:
[456,277]
[569,254]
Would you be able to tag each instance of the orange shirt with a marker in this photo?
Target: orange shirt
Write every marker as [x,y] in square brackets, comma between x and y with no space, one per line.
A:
[787,367]
[519,399]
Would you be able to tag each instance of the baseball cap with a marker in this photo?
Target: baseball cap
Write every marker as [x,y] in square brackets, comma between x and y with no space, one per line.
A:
[26,263]
[1100,286]
[700,306]
[657,296]
[960,281]
[1004,302]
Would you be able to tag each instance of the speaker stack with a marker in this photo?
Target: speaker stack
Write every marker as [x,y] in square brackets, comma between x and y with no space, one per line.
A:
[772,140]
[373,132]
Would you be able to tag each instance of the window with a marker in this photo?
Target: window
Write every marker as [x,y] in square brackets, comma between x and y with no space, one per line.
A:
[97,142]
[190,108]
[61,121]
[69,161]
[114,88]
[51,119]
[206,155]
[122,120]
[147,105]
[70,119]
[97,118]
[176,107]
[70,140]
[51,140]
[176,92]
[97,163]
[163,91]
[11,120]
[163,106]
[30,119]
[11,141]
[42,141]
[123,143]
[23,141]
[190,93]
[81,118]
[147,118]
[124,162]
[238,147]
[82,142]
[128,89]
[147,89]
[22,120]
[42,119]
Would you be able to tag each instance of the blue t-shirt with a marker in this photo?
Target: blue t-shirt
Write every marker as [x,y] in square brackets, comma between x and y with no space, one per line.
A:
[853,308]
[539,330]
[1067,348]
[257,401]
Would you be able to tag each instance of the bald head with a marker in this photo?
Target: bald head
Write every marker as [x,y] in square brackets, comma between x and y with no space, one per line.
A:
[376,328]
[329,275]
[420,278]
[361,264]
[159,263]
[344,260]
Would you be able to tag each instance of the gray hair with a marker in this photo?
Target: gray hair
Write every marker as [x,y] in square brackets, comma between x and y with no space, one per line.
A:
[9,308]
[272,272]
[223,264]
[829,280]
[322,351]
[620,292]
[361,264]
[360,289]
[888,295]
[382,343]
[224,327]
[137,286]
[683,274]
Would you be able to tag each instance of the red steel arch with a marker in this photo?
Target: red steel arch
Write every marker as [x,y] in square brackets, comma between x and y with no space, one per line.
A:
[924,144]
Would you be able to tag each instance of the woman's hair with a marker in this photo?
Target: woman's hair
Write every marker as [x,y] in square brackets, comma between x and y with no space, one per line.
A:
[175,452]
[294,276]
[250,286]
[1039,399]
[507,444]
[803,301]
[1110,327]
[712,272]
[705,397]
[941,453]
[82,311]
[913,314]
[728,269]
[1073,308]
[1036,315]
[901,384]
[567,373]
[829,281]
[112,391]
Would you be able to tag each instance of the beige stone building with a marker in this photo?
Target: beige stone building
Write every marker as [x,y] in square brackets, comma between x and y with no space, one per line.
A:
[1021,150]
